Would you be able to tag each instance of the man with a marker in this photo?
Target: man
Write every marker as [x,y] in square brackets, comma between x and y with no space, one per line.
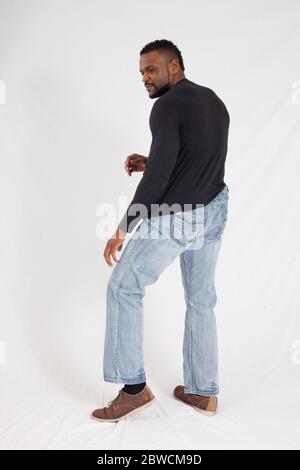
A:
[189,125]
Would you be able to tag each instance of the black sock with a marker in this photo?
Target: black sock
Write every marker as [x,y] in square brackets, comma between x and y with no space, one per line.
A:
[133,389]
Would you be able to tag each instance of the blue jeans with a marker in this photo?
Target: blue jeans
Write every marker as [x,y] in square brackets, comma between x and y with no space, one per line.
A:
[196,237]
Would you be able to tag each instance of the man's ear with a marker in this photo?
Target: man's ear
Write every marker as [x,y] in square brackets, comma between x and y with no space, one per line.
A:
[174,66]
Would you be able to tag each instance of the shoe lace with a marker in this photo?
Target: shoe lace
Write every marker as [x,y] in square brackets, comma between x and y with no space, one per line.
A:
[116,400]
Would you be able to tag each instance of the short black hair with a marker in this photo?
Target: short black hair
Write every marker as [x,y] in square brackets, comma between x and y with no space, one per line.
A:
[164,45]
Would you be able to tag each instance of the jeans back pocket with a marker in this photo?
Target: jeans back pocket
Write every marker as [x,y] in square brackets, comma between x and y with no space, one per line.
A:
[186,226]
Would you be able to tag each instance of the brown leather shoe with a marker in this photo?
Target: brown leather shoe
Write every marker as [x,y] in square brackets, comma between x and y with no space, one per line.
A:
[124,405]
[206,405]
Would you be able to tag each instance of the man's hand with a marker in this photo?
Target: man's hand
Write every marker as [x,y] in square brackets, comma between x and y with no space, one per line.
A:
[135,162]
[114,243]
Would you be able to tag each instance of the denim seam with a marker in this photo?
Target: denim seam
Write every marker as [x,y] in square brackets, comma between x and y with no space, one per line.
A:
[208,392]
[139,379]
[116,338]
[116,321]
[190,332]
[191,357]
[116,324]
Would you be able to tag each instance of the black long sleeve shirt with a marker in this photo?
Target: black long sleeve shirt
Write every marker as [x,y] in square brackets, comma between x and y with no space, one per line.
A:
[186,165]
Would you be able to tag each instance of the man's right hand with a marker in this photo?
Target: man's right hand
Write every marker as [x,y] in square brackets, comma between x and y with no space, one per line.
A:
[135,162]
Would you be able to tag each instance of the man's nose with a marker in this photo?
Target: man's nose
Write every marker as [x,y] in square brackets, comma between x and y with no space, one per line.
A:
[145,78]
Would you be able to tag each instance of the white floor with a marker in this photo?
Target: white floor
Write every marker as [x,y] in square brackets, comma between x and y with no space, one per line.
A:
[265,418]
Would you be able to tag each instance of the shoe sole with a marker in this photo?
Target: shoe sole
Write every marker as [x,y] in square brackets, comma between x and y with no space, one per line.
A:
[203,412]
[114,420]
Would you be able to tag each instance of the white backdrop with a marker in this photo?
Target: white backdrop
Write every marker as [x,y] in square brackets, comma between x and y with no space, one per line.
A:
[74,109]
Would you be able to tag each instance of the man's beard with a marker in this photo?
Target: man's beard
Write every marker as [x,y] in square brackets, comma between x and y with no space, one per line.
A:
[161,91]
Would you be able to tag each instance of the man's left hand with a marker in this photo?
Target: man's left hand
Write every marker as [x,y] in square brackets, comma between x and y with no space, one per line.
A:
[114,244]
